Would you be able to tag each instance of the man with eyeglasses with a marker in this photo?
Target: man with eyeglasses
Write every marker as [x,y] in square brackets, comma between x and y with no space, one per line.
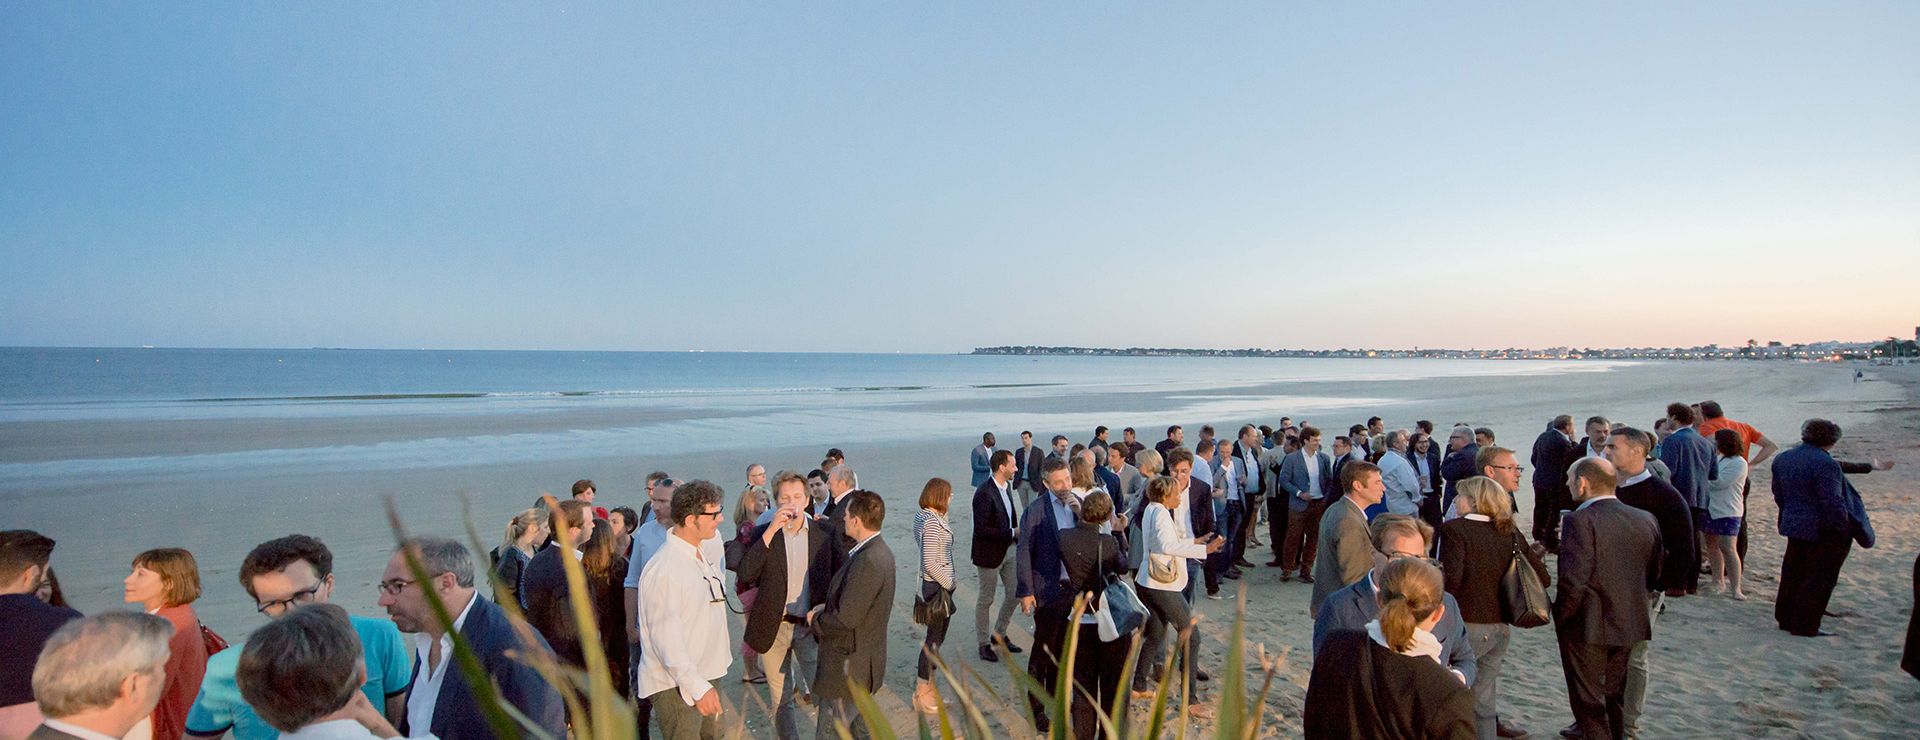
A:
[684,645]
[281,574]
[1396,536]
[439,700]
[1500,464]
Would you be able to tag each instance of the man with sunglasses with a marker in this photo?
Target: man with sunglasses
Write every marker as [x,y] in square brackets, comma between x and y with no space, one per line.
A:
[684,644]
[1396,536]
[281,574]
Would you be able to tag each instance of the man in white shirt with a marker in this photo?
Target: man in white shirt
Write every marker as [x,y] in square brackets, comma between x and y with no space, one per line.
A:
[684,645]
[1402,481]
[99,676]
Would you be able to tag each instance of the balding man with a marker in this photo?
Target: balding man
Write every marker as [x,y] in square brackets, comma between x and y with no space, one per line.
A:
[1609,557]
[99,676]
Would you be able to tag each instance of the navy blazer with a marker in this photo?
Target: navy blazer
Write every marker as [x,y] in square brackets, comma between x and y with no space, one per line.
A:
[456,714]
[1690,457]
[1293,478]
[1037,553]
[982,461]
[1353,606]
[1200,498]
[1551,455]
[1816,500]
[1027,462]
[992,531]
[1456,467]
[1433,465]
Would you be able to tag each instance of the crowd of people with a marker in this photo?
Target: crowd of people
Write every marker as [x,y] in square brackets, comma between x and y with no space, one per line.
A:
[1410,549]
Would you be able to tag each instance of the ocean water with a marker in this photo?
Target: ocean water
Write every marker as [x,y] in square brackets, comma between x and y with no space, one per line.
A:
[197,412]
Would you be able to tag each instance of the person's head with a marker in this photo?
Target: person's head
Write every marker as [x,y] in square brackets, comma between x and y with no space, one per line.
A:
[597,551]
[936,495]
[1002,464]
[1249,436]
[1205,448]
[584,490]
[1562,423]
[757,473]
[1206,431]
[751,501]
[1129,436]
[1711,410]
[1100,433]
[1376,425]
[986,440]
[1342,446]
[1096,508]
[1591,477]
[449,571]
[1483,436]
[302,667]
[1148,462]
[1679,415]
[1113,458]
[1180,464]
[1361,480]
[1356,431]
[1165,491]
[1424,427]
[1488,498]
[1820,433]
[1086,454]
[1661,427]
[162,577]
[1597,430]
[572,522]
[789,490]
[817,485]
[109,668]
[660,498]
[1055,475]
[525,529]
[1498,463]
[1726,442]
[1420,442]
[696,511]
[1627,449]
[284,573]
[1176,434]
[1026,439]
[49,590]
[841,479]
[654,479]
[866,512]
[834,454]
[24,555]
[1310,439]
[1459,438]
[623,520]
[1410,591]
[1397,440]
[1060,445]
[1399,536]
[1080,473]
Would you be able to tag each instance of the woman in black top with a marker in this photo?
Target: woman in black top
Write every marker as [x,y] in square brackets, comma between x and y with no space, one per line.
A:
[606,579]
[525,531]
[1386,682]
[1089,556]
[1475,550]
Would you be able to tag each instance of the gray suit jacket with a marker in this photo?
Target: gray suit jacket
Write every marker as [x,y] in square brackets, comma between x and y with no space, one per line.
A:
[853,627]
[1609,552]
[1346,551]
[1294,480]
[44,732]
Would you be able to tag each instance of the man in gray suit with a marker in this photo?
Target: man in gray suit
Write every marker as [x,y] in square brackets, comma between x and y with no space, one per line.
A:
[1346,548]
[1609,561]
[100,675]
[852,622]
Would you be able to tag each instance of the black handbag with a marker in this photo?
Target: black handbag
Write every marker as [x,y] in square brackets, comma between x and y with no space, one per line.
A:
[939,607]
[1523,598]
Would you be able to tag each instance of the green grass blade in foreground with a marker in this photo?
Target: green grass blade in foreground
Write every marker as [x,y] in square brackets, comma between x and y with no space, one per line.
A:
[877,726]
[1230,717]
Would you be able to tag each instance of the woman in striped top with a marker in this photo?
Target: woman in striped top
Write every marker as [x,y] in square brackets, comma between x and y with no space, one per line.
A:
[936,580]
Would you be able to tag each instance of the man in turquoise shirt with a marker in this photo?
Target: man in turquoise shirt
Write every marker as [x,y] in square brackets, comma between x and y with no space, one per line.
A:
[282,574]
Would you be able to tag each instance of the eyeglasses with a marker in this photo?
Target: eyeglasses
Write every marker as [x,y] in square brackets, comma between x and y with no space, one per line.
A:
[714,513]
[1514,468]
[395,586]
[299,597]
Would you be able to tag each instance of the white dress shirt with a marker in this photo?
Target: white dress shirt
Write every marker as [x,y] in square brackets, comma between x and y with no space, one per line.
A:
[683,623]
[76,730]
[1313,475]
[427,680]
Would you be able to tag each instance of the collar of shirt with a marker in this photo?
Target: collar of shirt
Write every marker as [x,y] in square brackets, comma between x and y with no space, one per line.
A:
[1644,474]
[863,543]
[1478,517]
[339,729]
[76,730]
[1589,502]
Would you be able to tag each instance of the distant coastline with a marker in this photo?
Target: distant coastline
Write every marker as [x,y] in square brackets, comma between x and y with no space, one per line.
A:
[1752,350]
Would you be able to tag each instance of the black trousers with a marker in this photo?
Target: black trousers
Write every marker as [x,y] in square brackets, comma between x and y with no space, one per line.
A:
[1276,522]
[1049,639]
[1740,545]
[1547,503]
[1808,574]
[1596,687]
[1096,671]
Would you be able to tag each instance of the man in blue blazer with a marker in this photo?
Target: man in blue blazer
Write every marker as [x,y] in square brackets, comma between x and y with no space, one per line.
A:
[1306,476]
[1041,575]
[439,696]
[982,460]
[1352,607]
[1821,515]
[1458,465]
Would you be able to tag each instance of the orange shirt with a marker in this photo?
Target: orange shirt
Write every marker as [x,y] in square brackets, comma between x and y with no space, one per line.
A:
[1749,436]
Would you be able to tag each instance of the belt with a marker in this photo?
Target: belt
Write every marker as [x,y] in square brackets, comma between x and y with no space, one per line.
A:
[793,619]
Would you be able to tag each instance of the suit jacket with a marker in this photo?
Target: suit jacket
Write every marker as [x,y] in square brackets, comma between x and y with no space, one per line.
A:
[544,596]
[993,524]
[1352,607]
[1455,467]
[1294,479]
[982,463]
[1550,460]
[853,627]
[764,566]
[1609,552]
[456,714]
[1027,462]
[1675,519]
[1815,498]
[1200,499]
[1690,457]
[1433,465]
[1346,551]
[44,732]
[1037,553]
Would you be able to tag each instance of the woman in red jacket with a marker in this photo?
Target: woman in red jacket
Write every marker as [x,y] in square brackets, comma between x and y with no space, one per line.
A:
[166,581]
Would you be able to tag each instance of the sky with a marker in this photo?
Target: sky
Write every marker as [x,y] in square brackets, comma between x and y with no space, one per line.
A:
[932,177]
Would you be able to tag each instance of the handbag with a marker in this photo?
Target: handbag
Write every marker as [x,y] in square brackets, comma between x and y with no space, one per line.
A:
[1162,568]
[212,640]
[1121,610]
[1523,599]
[939,607]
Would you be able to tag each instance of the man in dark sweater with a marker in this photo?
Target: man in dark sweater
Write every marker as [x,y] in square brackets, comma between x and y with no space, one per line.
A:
[24,555]
[1641,489]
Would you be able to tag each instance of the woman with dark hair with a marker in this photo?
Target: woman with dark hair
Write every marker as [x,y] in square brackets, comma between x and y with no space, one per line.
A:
[1387,681]
[1089,556]
[49,590]
[935,542]
[166,582]
[606,570]
[1725,510]
[1474,552]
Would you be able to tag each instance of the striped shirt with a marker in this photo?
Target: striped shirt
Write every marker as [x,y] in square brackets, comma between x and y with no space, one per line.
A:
[936,547]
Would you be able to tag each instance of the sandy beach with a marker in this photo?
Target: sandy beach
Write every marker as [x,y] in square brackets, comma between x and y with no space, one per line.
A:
[1720,667]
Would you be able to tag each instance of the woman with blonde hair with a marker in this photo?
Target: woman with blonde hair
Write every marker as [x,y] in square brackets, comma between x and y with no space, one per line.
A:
[1475,551]
[525,531]
[166,582]
[1161,578]
[1387,681]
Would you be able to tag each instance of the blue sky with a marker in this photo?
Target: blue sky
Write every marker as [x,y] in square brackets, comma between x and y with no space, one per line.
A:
[936,176]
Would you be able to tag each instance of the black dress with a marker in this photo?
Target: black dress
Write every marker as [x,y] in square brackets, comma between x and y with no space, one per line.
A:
[1360,689]
[1911,661]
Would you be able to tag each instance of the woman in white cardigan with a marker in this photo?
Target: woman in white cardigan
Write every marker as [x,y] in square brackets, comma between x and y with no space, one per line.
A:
[1163,575]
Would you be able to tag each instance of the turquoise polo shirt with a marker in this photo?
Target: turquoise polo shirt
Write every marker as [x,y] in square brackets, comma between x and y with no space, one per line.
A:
[219,707]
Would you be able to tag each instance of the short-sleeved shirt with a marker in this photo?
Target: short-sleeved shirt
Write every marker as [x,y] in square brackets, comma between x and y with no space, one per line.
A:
[1749,436]
[220,708]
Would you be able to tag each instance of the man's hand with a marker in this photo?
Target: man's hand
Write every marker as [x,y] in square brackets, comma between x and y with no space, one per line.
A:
[1882,465]
[708,704]
[1026,605]
[814,613]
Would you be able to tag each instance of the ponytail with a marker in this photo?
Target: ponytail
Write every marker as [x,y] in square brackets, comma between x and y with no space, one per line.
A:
[1410,592]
